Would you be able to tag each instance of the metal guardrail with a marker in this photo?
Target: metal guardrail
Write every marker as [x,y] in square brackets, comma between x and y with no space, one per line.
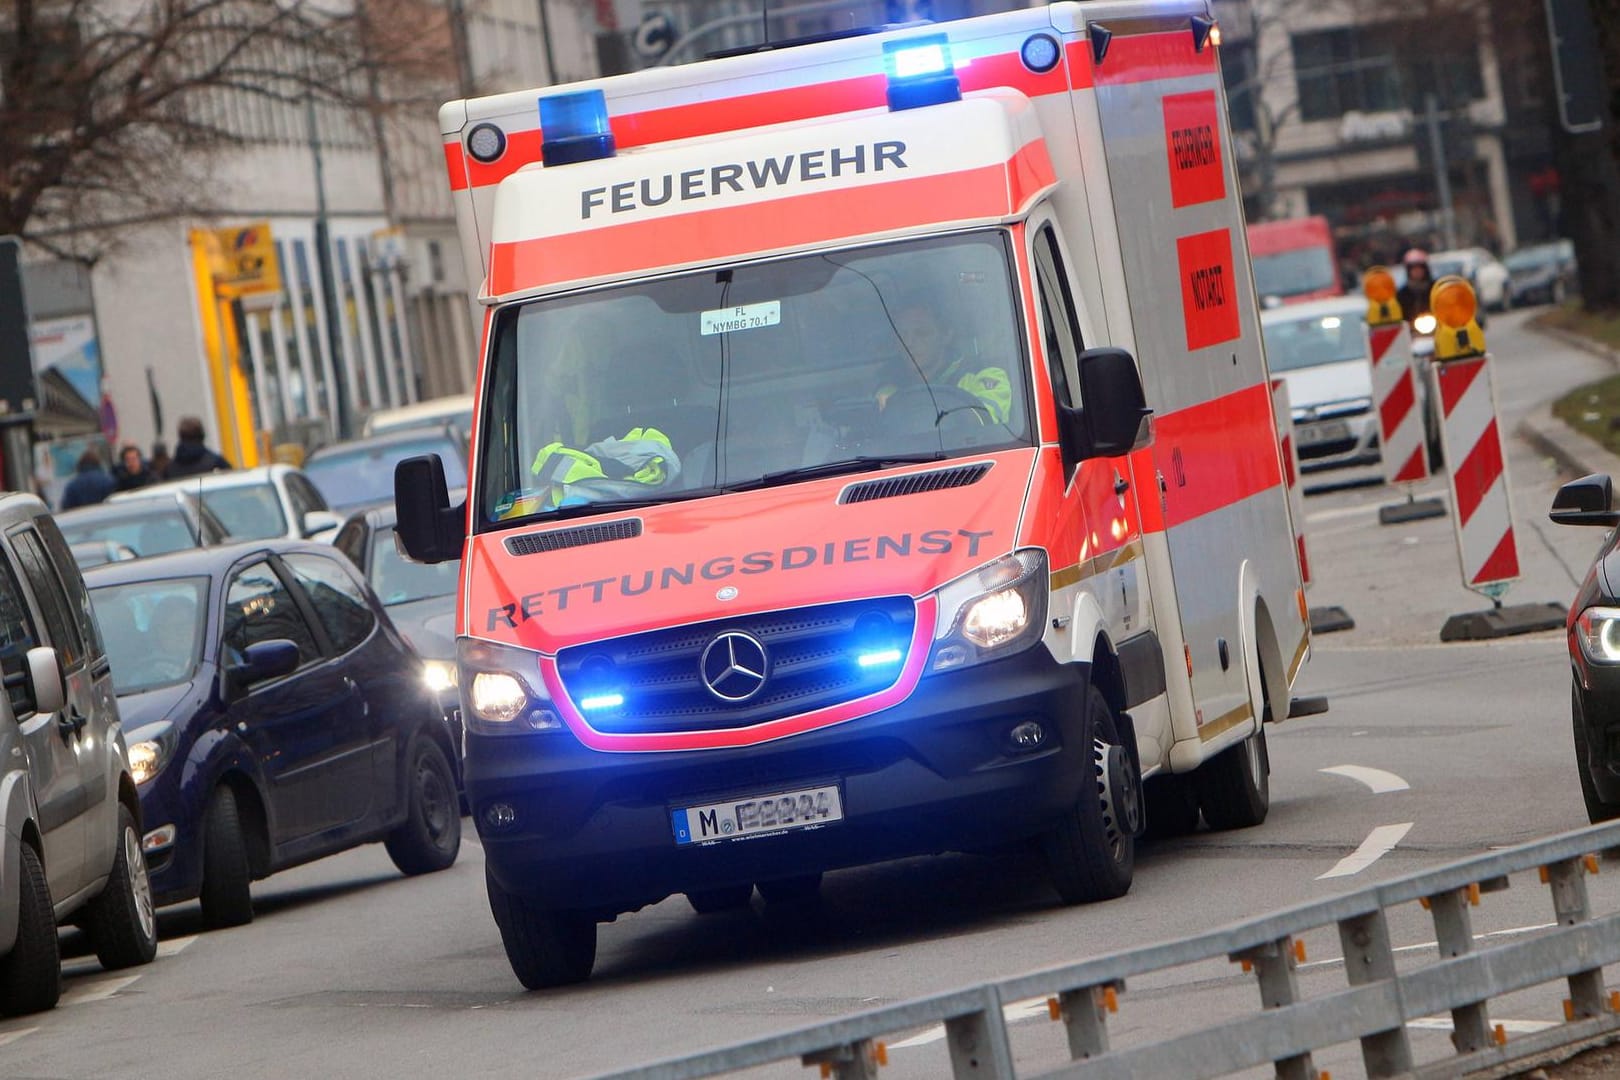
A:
[1374,1008]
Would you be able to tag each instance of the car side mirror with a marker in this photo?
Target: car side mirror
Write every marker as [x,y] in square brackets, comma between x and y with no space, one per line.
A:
[319,521]
[265,660]
[429,529]
[45,675]
[1115,419]
[1587,501]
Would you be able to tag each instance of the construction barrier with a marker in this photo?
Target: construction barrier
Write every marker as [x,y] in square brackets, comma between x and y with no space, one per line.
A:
[1483,519]
[1400,410]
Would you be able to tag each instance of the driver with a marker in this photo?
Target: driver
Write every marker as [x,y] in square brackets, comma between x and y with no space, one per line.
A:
[942,362]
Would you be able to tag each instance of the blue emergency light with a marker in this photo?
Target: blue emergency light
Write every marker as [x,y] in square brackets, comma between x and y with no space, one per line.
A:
[880,658]
[574,127]
[920,72]
[601,701]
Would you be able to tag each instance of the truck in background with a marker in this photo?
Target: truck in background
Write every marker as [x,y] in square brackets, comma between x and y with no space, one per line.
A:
[1294,260]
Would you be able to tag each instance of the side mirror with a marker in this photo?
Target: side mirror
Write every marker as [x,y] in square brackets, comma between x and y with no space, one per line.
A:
[1116,418]
[319,521]
[429,529]
[265,660]
[1587,501]
[45,675]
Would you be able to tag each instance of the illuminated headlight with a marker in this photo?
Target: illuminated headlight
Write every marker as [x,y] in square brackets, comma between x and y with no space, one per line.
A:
[1598,630]
[994,611]
[497,696]
[504,695]
[1424,324]
[440,675]
[146,759]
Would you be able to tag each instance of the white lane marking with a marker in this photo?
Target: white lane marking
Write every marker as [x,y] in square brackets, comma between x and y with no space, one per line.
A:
[13,1036]
[1024,1010]
[175,945]
[96,990]
[1380,842]
[1512,1027]
[1422,945]
[1377,779]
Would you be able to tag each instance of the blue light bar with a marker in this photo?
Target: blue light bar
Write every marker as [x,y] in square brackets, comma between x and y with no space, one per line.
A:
[574,127]
[921,72]
[602,701]
[880,658]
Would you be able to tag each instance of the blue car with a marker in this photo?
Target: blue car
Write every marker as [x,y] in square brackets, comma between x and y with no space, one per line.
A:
[274,715]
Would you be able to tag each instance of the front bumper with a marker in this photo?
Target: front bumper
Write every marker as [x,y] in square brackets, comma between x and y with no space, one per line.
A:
[1597,709]
[592,830]
[1338,442]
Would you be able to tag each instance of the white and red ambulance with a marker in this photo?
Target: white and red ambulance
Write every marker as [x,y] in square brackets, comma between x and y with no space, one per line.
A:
[819,513]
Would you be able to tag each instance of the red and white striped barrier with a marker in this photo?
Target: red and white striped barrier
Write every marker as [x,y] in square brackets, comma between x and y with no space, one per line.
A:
[1400,412]
[1283,413]
[1482,503]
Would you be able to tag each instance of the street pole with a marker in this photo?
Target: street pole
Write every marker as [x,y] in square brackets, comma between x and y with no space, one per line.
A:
[1442,181]
[323,262]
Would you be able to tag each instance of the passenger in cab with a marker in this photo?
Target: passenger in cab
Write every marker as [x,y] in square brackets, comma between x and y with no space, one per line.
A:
[935,355]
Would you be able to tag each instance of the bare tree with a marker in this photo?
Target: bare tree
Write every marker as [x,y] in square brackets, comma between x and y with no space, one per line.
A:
[114,112]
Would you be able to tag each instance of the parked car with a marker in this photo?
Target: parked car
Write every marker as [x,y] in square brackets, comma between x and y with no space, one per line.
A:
[1320,349]
[255,504]
[97,552]
[274,716]
[1541,273]
[457,409]
[70,820]
[1484,272]
[359,472]
[165,521]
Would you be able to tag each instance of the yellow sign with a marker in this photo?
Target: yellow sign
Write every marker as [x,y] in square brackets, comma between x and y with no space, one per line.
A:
[245,260]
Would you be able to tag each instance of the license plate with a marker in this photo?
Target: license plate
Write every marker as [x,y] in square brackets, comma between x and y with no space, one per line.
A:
[1327,431]
[757,815]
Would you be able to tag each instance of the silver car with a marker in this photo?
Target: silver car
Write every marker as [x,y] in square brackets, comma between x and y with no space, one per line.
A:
[1320,348]
[70,818]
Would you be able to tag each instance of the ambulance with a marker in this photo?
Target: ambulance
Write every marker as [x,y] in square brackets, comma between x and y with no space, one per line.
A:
[874,457]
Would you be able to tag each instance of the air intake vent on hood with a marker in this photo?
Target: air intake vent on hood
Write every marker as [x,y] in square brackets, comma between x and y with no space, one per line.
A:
[912,483]
[557,539]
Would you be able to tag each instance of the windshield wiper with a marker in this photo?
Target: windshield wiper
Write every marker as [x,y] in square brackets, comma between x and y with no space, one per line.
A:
[863,463]
[609,506]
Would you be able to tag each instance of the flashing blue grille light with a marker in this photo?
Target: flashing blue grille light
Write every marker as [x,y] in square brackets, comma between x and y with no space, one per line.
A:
[920,72]
[574,127]
[601,701]
[880,658]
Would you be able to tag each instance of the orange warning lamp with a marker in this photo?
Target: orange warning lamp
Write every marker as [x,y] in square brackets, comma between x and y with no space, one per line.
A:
[1454,304]
[1382,307]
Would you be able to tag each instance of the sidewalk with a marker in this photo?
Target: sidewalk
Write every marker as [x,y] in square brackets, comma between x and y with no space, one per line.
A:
[1575,453]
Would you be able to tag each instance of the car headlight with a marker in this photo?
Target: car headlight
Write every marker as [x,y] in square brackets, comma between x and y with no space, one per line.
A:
[147,758]
[1424,324]
[440,675]
[1598,631]
[991,612]
[504,694]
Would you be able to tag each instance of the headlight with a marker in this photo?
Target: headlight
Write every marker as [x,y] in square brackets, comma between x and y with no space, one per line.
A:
[440,675]
[504,695]
[1598,631]
[993,611]
[1424,324]
[146,759]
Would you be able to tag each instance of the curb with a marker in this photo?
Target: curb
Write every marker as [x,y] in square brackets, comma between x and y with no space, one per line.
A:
[1574,452]
[1578,341]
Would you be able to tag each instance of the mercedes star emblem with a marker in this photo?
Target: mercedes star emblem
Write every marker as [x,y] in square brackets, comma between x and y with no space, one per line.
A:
[734,666]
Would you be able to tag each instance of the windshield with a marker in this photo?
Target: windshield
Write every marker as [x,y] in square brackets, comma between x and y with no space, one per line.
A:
[1295,273]
[397,581]
[249,512]
[1292,344]
[749,375]
[364,473]
[153,631]
[149,530]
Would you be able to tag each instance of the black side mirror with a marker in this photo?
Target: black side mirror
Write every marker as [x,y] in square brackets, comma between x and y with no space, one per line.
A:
[1587,501]
[1116,418]
[429,529]
[265,660]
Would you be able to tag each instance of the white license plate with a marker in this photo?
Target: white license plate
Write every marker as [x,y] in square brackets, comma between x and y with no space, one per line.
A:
[756,815]
[1328,431]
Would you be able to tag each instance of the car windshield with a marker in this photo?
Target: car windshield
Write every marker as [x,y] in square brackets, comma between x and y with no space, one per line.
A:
[153,630]
[753,375]
[399,581]
[145,529]
[1295,273]
[364,472]
[248,511]
[1292,344]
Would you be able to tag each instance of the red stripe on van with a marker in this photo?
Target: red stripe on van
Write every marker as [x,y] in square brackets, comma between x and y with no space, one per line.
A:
[1147,57]
[1216,454]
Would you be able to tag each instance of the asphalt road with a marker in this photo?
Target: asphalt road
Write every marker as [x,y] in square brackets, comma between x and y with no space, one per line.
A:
[1446,750]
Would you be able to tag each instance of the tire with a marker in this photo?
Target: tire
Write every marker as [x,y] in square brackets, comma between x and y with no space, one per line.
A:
[1598,809]
[226,896]
[430,837]
[714,901]
[122,922]
[1172,807]
[1234,789]
[794,890]
[545,948]
[31,973]
[1090,855]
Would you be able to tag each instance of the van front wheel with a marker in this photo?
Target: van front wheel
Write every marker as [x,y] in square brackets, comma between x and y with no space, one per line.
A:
[544,947]
[1091,855]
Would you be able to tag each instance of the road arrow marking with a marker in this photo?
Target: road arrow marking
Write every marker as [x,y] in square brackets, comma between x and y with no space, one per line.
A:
[1376,779]
[1380,842]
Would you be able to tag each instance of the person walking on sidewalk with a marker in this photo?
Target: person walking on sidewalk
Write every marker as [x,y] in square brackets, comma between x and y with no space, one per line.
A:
[191,456]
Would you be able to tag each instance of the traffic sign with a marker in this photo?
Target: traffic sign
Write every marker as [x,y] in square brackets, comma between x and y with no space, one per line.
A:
[245,260]
[1577,66]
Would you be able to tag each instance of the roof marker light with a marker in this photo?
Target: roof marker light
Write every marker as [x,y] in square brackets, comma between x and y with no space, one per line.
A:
[920,72]
[1204,32]
[486,143]
[574,127]
[1040,53]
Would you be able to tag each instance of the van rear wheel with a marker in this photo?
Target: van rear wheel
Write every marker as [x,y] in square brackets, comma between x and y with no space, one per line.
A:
[1234,789]
[544,947]
[1091,855]
[31,973]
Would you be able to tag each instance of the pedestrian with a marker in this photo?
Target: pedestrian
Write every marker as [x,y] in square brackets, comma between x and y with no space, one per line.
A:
[90,484]
[158,463]
[191,456]
[131,471]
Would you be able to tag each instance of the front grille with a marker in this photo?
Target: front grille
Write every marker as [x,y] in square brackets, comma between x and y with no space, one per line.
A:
[813,664]
[557,539]
[914,483]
